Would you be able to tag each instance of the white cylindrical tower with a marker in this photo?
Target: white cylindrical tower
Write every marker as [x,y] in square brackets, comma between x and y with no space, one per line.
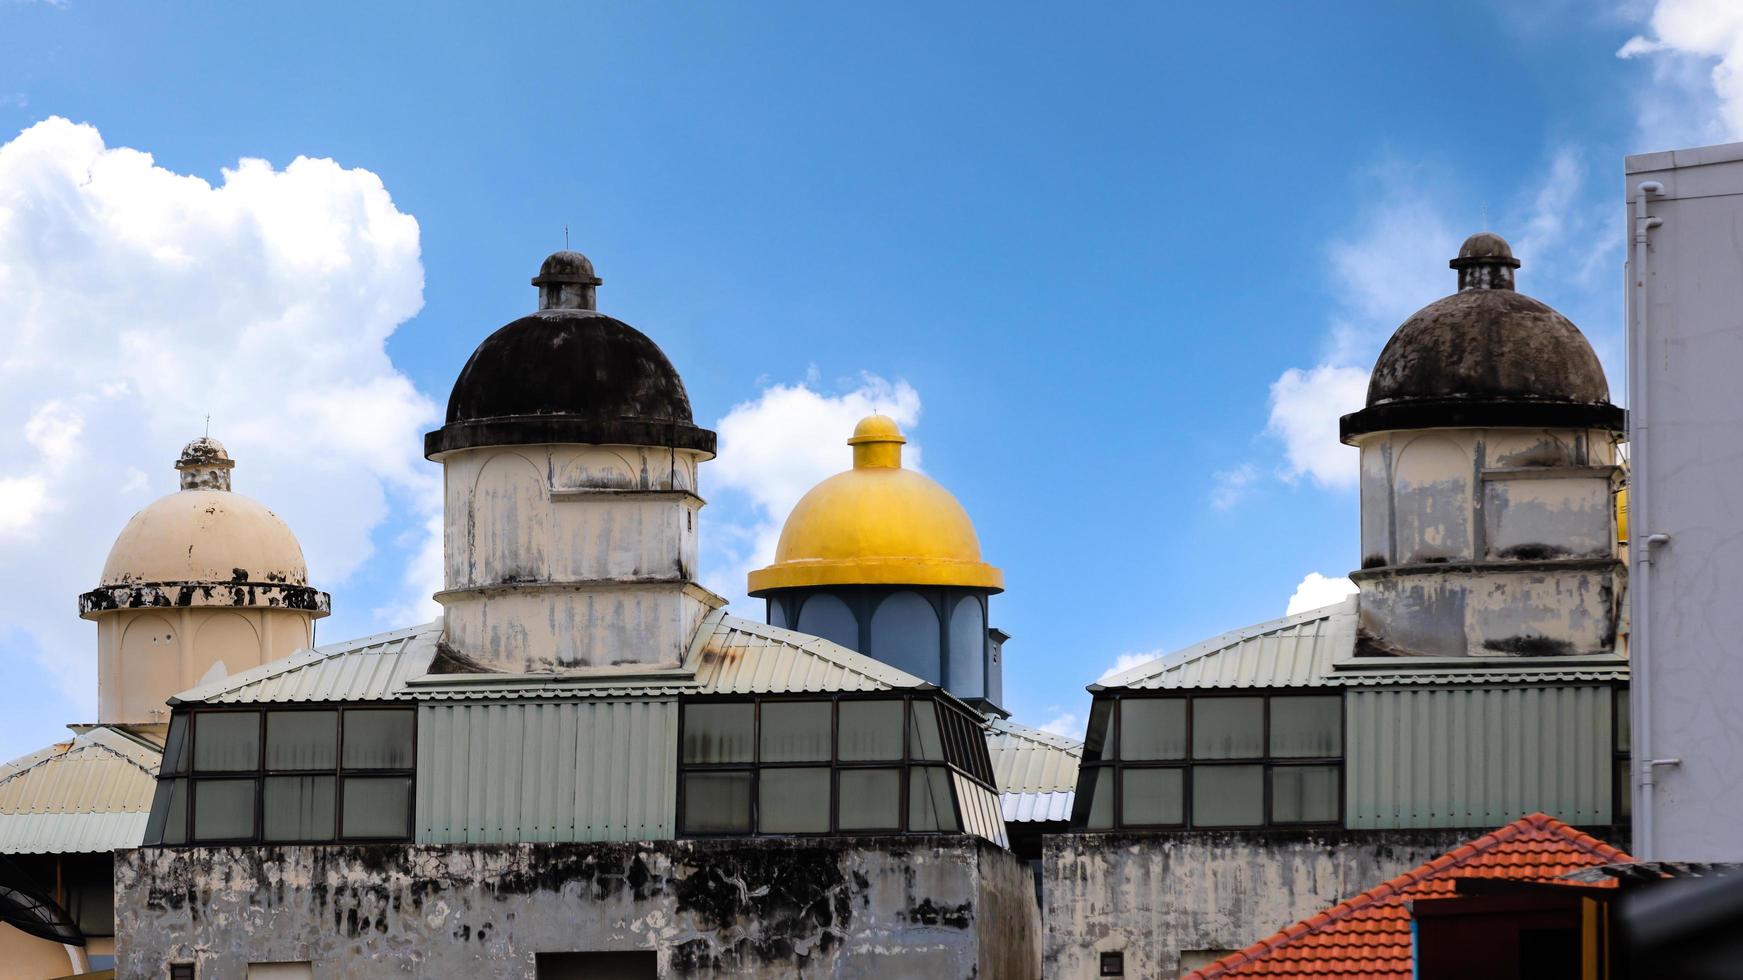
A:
[569,461]
[1488,465]
[200,584]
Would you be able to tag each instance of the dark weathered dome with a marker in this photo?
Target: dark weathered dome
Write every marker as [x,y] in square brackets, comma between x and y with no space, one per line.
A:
[568,373]
[1486,356]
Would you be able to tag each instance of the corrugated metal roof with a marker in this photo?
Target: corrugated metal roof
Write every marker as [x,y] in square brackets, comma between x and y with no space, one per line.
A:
[575,770]
[738,656]
[1295,651]
[1475,757]
[1315,649]
[371,668]
[70,833]
[728,656]
[91,793]
[1036,771]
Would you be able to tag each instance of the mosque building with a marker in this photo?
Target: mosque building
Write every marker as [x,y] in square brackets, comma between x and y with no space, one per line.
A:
[586,767]
[200,584]
[1479,675]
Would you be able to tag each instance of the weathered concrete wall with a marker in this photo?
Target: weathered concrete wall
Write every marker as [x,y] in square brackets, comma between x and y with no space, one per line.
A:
[568,556]
[1686,427]
[1489,542]
[839,908]
[1153,896]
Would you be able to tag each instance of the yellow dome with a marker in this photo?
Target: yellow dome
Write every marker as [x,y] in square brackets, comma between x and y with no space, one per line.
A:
[877,524]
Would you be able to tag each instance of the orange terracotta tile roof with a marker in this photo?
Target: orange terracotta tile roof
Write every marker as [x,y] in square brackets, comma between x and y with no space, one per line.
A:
[1368,937]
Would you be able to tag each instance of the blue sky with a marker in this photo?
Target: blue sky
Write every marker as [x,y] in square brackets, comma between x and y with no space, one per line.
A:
[1120,267]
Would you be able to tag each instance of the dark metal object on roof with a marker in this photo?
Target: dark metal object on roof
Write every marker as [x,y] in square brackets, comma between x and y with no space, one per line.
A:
[568,373]
[29,911]
[1486,356]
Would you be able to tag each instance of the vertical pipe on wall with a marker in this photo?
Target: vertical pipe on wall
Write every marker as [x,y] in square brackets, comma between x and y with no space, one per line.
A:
[1640,643]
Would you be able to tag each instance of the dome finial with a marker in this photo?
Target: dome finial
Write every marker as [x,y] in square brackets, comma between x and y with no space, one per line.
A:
[204,465]
[1485,261]
[566,282]
[877,442]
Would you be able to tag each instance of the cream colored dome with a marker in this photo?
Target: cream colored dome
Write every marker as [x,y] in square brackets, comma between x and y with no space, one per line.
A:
[204,546]
[205,536]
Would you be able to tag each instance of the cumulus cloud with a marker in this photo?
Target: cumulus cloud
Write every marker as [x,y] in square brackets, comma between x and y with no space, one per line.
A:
[1065,723]
[1695,48]
[777,446]
[1317,591]
[137,301]
[1126,661]
[1305,408]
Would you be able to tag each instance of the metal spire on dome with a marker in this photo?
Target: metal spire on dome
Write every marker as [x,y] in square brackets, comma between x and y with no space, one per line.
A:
[204,465]
[1485,261]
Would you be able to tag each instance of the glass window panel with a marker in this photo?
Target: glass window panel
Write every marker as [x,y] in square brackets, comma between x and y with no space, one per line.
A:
[1153,728]
[1228,796]
[793,801]
[169,813]
[378,806]
[302,740]
[1228,728]
[1152,796]
[827,616]
[904,634]
[1307,727]
[1096,738]
[930,806]
[870,730]
[379,738]
[719,732]
[175,746]
[924,742]
[795,731]
[297,808]
[1624,792]
[1304,794]
[1100,808]
[226,741]
[778,612]
[223,809]
[1624,732]
[870,798]
[717,803]
[968,648]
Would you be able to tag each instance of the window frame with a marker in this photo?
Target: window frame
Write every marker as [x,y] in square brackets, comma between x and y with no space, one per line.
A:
[951,737]
[1110,758]
[192,777]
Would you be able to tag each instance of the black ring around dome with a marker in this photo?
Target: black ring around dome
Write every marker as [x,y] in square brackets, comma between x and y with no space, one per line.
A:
[568,376]
[1453,413]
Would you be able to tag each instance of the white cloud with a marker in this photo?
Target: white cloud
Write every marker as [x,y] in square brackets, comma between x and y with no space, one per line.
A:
[1305,408]
[778,446]
[1126,661]
[1064,723]
[1229,486]
[136,302]
[1316,591]
[1696,51]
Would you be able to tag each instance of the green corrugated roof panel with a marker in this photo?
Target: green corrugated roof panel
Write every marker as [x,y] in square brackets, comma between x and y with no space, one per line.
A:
[1317,649]
[1295,651]
[728,656]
